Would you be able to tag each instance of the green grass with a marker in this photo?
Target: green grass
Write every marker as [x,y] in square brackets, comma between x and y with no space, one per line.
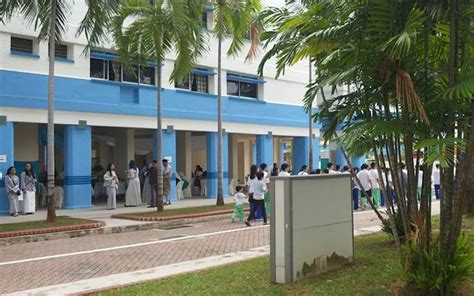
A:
[60,221]
[376,271]
[185,211]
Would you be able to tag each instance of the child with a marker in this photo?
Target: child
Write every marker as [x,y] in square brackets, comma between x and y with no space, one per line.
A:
[258,188]
[239,199]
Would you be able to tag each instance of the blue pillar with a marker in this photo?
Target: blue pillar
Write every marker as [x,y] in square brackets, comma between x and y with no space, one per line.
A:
[340,160]
[264,147]
[357,161]
[300,153]
[211,163]
[77,167]
[316,153]
[7,154]
[169,152]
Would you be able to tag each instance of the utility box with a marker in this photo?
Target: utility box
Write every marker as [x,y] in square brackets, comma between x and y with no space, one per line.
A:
[311,226]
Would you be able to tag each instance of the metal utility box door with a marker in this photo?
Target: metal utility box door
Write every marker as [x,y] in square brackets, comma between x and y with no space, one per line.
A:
[311,225]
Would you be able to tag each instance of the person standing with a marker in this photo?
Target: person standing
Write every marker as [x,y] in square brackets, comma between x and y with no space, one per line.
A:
[28,186]
[364,178]
[436,181]
[375,180]
[12,186]
[284,170]
[259,189]
[239,199]
[303,171]
[251,181]
[266,199]
[132,196]
[275,171]
[198,171]
[111,185]
[331,169]
[355,191]
[153,181]
[167,181]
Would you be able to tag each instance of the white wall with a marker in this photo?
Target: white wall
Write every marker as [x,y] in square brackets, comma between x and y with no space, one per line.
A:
[26,142]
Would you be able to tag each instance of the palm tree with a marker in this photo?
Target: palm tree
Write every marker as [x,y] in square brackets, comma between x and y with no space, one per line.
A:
[50,19]
[238,18]
[158,28]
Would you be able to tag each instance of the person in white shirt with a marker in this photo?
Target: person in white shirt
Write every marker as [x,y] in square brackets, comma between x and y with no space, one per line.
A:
[355,191]
[331,169]
[374,179]
[259,189]
[436,181]
[239,199]
[364,178]
[266,178]
[284,170]
[303,171]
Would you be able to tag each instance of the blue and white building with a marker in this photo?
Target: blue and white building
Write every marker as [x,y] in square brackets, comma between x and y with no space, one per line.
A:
[104,114]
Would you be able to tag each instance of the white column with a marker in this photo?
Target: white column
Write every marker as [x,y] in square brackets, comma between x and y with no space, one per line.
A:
[124,150]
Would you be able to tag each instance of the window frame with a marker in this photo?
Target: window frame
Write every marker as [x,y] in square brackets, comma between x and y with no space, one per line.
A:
[190,83]
[237,79]
[12,37]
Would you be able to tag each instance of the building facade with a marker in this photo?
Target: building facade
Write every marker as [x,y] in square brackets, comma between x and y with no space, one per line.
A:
[105,114]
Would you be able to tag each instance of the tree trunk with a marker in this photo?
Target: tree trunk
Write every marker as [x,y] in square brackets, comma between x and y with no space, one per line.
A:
[159,141]
[51,216]
[220,173]
[310,124]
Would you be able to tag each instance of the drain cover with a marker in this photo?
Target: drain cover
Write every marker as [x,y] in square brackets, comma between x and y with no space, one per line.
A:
[171,237]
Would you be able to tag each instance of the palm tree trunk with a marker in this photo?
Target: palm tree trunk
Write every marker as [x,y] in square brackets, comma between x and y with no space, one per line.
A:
[159,141]
[220,173]
[310,124]
[51,216]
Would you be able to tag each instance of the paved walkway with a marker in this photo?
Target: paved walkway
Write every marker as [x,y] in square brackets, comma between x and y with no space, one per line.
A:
[34,265]
[100,213]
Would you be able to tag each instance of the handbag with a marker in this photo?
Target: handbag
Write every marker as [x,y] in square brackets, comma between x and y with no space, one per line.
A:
[251,199]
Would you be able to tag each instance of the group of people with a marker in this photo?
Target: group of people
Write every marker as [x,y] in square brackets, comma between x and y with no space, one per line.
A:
[142,184]
[21,191]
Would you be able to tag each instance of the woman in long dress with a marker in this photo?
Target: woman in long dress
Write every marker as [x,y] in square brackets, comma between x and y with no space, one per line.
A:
[111,185]
[132,196]
[12,186]
[28,186]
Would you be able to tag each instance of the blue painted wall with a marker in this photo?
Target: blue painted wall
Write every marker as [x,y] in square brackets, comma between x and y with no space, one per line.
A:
[77,167]
[169,150]
[211,162]
[264,150]
[6,148]
[131,99]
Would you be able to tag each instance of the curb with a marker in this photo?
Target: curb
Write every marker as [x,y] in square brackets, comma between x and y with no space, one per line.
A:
[171,218]
[15,233]
[105,230]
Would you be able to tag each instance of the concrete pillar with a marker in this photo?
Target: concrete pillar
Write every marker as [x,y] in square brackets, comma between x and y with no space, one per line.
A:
[77,167]
[340,159]
[254,153]
[357,161]
[27,146]
[233,157]
[282,152]
[211,156]
[6,160]
[300,153]
[247,156]
[184,153]
[169,152]
[124,150]
[265,149]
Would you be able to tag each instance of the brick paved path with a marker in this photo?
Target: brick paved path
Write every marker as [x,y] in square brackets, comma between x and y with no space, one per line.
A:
[162,247]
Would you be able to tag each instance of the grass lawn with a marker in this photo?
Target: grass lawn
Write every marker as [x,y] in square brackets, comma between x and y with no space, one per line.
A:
[376,272]
[185,211]
[60,221]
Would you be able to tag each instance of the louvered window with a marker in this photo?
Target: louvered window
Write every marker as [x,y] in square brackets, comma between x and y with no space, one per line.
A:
[21,44]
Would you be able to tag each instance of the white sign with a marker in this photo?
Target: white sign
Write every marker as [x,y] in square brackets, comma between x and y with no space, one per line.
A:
[3,158]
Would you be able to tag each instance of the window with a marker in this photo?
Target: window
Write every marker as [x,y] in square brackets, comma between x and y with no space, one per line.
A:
[103,67]
[204,19]
[21,45]
[241,86]
[60,51]
[195,82]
